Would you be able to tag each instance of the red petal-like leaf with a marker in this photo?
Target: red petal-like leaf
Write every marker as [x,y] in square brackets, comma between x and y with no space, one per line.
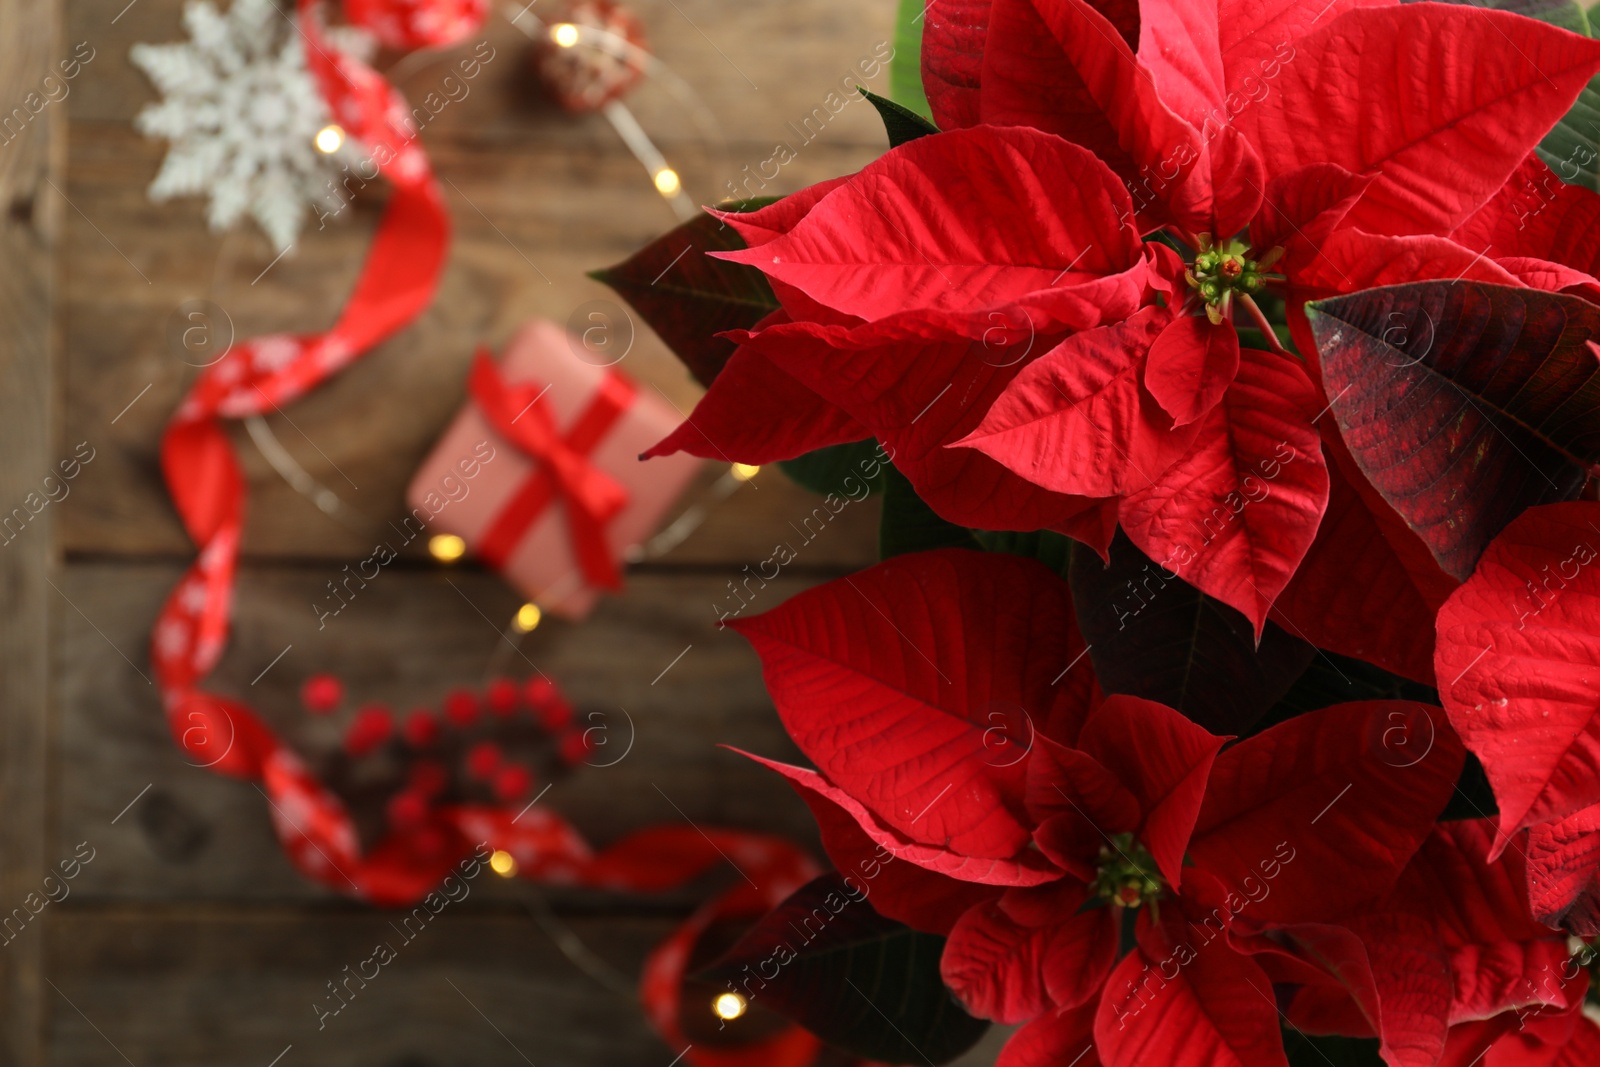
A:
[917,389]
[1440,146]
[1235,516]
[1061,66]
[755,413]
[1217,1011]
[1076,420]
[1010,971]
[1191,365]
[1463,403]
[1564,872]
[1053,1039]
[1536,214]
[1519,664]
[901,890]
[1348,793]
[953,33]
[886,680]
[958,221]
[1165,759]
[1029,869]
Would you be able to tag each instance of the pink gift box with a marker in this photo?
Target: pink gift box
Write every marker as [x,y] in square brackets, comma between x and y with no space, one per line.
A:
[478,485]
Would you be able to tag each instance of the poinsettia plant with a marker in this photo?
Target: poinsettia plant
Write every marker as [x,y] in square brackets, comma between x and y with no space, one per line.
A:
[1229,694]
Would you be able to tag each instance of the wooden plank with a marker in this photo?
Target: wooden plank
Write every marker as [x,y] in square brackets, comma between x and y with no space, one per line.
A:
[364,433]
[755,67]
[404,640]
[30,226]
[206,985]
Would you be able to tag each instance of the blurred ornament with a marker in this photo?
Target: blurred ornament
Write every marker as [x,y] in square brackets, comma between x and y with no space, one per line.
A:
[245,120]
[592,53]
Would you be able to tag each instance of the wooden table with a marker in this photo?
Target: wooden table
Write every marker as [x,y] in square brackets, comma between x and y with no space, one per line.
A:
[189,939]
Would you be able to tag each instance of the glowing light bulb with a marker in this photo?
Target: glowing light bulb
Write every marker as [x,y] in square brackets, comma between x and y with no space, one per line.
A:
[502,863]
[744,471]
[667,182]
[527,619]
[564,34]
[728,1005]
[329,140]
[446,548]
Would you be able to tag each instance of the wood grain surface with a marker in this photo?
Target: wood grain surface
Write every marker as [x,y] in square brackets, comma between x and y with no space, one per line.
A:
[188,938]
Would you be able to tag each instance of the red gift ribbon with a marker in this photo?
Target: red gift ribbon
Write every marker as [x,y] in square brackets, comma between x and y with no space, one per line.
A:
[589,496]
[396,284]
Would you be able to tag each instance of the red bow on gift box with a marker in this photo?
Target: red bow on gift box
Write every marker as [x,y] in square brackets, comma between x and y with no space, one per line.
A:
[590,496]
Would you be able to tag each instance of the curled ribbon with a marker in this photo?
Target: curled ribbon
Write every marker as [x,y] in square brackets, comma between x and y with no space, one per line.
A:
[589,496]
[396,284]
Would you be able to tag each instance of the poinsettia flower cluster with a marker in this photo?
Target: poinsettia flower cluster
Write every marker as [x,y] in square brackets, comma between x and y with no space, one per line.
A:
[988,300]
[1127,885]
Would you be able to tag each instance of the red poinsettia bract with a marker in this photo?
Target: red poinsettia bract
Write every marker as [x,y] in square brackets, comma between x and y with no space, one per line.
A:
[945,700]
[982,301]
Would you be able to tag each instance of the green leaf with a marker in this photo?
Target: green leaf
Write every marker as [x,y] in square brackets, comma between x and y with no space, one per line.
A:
[1463,403]
[910,525]
[687,297]
[905,70]
[829,470]
[902,124]
[1052,549]
[1153,635]
[1572,147]
[1307,1051]
[863,983]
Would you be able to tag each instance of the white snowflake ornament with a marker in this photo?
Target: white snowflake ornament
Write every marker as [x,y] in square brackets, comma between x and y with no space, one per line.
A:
[242,114]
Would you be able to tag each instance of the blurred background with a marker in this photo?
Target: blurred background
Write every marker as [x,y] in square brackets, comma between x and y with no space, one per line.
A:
[189,937]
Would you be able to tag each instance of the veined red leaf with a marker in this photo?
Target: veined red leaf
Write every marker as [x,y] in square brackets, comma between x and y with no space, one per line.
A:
[1348,793]
[888,681]
[1077,421]
[1463,403]
[953,33]
[1165,760]
[1564,872]
[1519,664]
[1030,868]
[1217,1011]
[1010,971]
[1052,1039]
[917,388]
[960,221]
[1537,215]
[1063,67]
[1350,97]
[755,413]
[1191,364]
[1237,514]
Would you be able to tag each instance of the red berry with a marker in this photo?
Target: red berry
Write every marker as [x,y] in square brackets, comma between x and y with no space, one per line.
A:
[574,746]
[370,728]
[321,694]
[428,778]
[554,715]
[502,696]
[461,708]
[512,783]
[483,759]
[538,690]
[407,809]
[421,729]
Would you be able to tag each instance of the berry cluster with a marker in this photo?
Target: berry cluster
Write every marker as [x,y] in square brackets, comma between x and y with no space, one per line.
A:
[476,748]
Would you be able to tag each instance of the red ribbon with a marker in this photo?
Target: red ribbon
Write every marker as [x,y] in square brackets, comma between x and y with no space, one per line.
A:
[589,496]
[396,284]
